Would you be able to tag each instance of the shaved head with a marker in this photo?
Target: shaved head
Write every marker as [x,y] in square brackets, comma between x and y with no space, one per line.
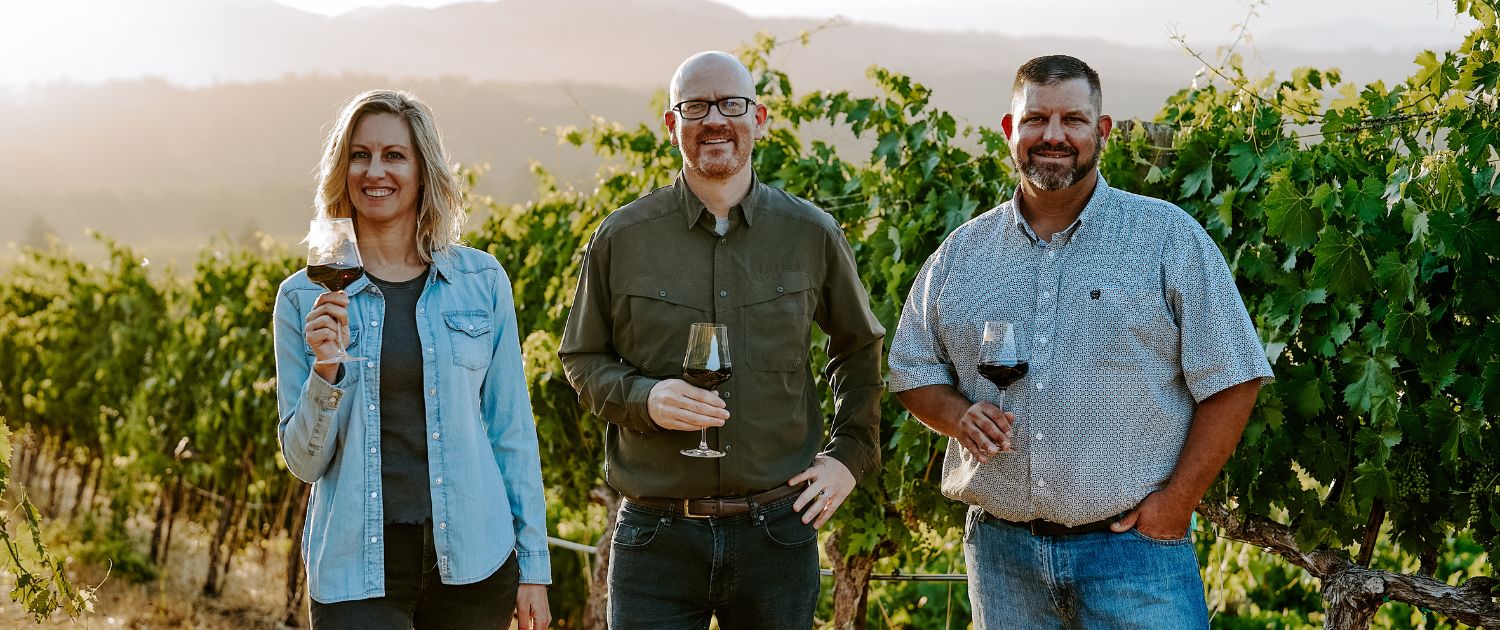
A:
[723,69]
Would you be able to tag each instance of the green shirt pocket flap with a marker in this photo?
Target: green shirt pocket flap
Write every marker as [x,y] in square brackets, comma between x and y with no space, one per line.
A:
[658,288]
[776,285]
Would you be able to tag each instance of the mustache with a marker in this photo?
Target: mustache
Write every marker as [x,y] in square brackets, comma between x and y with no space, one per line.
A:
[1054,148]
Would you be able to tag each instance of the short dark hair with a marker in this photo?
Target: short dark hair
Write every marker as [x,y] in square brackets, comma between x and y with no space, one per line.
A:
[1054,69]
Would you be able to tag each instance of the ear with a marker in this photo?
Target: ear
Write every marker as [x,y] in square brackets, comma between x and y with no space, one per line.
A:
[669,118]
[1007,124]
[761,115]
[1105,125]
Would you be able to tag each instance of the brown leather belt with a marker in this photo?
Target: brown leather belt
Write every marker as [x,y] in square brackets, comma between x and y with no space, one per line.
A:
[1040,527]
[715,507]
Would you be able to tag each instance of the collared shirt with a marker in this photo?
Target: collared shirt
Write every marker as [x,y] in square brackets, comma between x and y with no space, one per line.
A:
[654,267]
[486,477]
[1133,318]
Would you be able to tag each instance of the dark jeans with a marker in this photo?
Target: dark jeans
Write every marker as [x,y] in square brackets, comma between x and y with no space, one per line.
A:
[754,571]
[416,597]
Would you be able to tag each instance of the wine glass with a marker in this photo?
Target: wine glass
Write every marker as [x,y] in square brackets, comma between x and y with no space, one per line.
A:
[333,261]
[1003,356]
[706,366]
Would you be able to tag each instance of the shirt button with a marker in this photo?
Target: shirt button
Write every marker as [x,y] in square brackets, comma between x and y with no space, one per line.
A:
[1046,294]
[370,365]
[662,293]
[435,435]
[1042,340]
[1041,483]
[372,495]
[471,327]
[374,538]
[1052,254]
[372,450]
[780,289]
[439,481]
[372,407]
[723,241]
[432,392]
[1039,437]
[726,395]
[374,324]
[443,525]
[723,294]
[422,310]
[430,350]
[1041,386]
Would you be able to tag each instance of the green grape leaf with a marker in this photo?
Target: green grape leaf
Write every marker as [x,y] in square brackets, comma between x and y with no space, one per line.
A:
[1339,263]
[1365,199]
[1373,383]
[1292,215]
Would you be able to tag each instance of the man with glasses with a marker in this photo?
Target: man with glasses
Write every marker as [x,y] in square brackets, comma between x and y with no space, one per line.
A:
[731,537]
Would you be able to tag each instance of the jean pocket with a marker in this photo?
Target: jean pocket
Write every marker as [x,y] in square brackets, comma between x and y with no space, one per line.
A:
[784,528]
[635,530]
[1171,542]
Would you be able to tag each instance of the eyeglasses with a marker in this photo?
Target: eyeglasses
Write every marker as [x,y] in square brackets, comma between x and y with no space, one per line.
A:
[729,107]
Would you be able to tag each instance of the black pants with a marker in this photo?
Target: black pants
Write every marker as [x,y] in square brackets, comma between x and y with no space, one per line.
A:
[758,571]
[416,597]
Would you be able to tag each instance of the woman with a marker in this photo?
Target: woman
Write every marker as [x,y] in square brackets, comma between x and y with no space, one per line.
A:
[427,506]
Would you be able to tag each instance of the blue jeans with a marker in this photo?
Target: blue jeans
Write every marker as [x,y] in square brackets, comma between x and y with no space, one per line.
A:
[753,571]
[1096,580]
[415,595]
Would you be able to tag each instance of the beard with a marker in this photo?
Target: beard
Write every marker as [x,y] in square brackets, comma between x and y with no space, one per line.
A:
[1058,176]
[716,166]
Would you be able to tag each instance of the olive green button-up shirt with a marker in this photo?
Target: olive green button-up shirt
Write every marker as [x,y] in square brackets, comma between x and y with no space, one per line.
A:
[654,267]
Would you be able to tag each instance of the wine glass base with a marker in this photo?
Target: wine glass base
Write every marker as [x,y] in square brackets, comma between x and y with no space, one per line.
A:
[702,452]
[338,360]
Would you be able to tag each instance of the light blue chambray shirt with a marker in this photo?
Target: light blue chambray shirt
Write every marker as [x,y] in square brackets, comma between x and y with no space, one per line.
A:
[1133,318]
[486,476]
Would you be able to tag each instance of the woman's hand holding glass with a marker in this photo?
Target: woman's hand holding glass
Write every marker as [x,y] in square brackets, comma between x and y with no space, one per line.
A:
[327,332]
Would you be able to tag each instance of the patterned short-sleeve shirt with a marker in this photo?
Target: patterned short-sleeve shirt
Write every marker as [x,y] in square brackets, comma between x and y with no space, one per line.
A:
[1133,319]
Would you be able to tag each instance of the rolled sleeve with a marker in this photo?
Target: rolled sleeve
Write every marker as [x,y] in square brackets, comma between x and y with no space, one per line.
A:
[917,355]
[309,407]
[1220,347]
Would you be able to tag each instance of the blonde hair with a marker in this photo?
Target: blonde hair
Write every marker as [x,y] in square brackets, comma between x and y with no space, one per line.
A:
[440,208]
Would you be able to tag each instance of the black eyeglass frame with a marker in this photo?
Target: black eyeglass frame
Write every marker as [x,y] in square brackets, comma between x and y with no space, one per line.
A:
[719,104]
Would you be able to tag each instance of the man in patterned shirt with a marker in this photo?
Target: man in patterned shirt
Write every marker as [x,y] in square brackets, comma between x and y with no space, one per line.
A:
[1144,367]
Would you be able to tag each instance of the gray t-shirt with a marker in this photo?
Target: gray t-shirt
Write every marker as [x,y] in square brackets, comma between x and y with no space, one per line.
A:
[403,416]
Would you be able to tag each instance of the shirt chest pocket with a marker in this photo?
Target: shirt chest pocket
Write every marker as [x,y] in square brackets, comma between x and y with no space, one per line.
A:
[777,315]
[1121,323]
[660,312]
[470,337]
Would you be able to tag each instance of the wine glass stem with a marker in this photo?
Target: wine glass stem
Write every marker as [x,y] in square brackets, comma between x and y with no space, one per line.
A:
[703,439]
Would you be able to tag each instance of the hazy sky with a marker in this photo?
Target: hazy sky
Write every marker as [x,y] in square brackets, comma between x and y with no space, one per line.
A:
[1145,22]
[97,40]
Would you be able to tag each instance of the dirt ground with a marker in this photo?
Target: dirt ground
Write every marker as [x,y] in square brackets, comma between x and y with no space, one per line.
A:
[253,597]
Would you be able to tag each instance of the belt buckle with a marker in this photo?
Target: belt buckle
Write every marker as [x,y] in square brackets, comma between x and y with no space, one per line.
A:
[687,510]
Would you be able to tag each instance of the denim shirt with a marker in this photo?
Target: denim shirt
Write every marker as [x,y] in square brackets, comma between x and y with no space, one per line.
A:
[483,461]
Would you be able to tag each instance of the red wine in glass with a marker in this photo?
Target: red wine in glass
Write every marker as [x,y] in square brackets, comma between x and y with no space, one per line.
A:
[1003,356]
[334,277]
[333,261]
[706,366]
[1003,375]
